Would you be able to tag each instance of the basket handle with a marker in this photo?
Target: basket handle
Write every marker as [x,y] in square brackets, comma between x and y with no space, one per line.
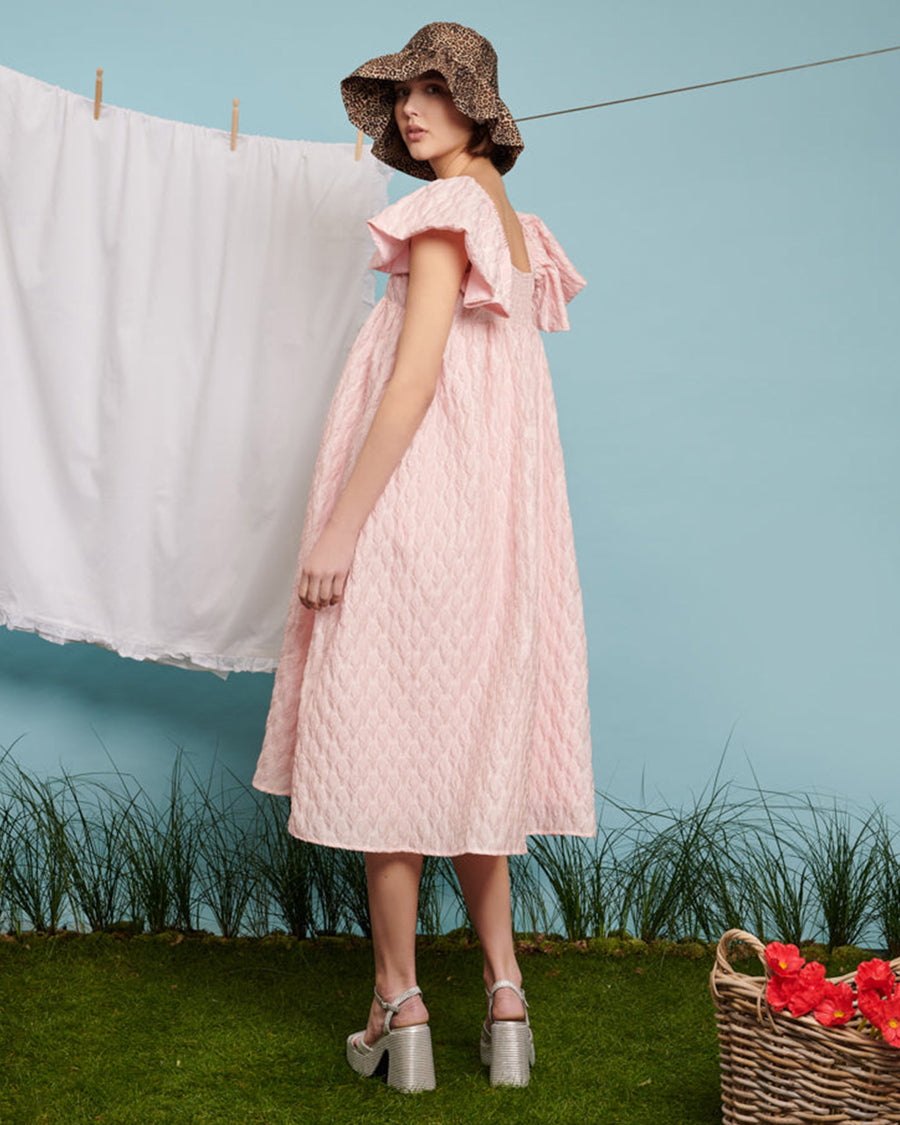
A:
[728,939]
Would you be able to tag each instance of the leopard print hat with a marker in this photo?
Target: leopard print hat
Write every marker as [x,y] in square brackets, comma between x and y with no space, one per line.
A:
[468,63]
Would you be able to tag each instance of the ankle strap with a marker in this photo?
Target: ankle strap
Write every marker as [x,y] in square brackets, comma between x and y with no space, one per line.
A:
[392,1007]
[504,984]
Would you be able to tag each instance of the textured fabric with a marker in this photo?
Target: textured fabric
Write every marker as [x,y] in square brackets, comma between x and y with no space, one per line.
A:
[173,319]
[442,706]
[467,61]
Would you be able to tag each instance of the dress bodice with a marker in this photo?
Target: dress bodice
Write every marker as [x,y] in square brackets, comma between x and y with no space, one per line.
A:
[492,283]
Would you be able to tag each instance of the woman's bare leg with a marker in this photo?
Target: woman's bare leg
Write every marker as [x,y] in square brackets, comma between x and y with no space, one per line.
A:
[485,885]
[393,885]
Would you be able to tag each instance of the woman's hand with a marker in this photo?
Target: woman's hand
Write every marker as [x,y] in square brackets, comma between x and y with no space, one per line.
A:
[325,571]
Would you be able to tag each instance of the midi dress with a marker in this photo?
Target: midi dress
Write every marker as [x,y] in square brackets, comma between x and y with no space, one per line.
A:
[441,707]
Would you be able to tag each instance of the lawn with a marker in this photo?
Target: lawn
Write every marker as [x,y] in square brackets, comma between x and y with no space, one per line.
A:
[122,1031]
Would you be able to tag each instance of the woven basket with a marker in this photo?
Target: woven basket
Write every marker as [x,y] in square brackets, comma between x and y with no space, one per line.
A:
[778,1069]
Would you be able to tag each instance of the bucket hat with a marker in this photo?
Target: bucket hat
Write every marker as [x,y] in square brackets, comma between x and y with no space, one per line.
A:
[468,63]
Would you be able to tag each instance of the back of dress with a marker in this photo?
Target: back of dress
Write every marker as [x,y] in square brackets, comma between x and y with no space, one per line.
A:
[441,707]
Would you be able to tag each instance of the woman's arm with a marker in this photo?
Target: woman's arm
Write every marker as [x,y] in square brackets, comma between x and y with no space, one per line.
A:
[437,263]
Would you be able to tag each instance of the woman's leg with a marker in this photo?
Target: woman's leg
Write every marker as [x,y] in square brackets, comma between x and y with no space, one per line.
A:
[393,885]
[485,885]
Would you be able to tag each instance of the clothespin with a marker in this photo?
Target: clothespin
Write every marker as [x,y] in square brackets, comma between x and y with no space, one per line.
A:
[98,92]
[359,143]
[234,124]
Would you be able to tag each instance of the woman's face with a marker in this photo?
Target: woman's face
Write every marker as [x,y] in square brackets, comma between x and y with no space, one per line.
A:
[430,124]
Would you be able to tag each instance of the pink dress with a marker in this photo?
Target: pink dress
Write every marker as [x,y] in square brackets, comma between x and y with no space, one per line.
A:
[442,706]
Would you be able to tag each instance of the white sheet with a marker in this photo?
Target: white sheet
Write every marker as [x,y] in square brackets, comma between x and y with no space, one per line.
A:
[173,319]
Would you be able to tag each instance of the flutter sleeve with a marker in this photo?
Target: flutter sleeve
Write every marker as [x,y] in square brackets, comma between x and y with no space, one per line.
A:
[457,204]
[556,281]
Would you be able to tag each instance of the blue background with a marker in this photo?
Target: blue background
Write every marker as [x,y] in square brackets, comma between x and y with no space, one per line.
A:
[728,396]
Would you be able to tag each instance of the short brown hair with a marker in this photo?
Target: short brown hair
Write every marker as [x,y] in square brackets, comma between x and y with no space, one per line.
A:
[480,143]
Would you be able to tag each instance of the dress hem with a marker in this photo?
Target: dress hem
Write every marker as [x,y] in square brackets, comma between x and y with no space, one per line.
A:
[519,849]
[382,850]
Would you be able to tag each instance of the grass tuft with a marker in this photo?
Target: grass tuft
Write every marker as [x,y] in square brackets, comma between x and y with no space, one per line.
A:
[215,852]
[842,856]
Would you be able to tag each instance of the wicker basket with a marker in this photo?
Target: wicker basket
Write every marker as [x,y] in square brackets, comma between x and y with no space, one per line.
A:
[778,1069]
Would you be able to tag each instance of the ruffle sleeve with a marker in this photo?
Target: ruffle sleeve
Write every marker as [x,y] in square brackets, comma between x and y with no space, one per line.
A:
[457,204]
[556,281]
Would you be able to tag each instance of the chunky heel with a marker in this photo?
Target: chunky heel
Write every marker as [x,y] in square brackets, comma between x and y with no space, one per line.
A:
[507,1046]
[410,1059]
[510,1053]
[409,1055]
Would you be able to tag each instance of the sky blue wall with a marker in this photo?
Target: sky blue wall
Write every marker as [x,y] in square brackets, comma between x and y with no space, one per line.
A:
[728,397]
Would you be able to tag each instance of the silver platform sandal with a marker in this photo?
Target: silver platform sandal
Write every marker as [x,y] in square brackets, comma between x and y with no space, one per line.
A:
[410,1058]
[507,1046]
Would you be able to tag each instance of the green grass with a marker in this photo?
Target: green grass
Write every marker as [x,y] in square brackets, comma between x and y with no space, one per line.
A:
[251,1032]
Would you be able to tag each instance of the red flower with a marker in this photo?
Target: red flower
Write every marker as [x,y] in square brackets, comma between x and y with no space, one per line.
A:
[875,975]
[808,990]
[784,960]
[870,1003]
[778,991]
[875,983]
[890,1019]
[836,1005]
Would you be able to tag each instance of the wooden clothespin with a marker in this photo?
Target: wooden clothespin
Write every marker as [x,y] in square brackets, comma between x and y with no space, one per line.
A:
[359,143]
[234,124]
[98,92]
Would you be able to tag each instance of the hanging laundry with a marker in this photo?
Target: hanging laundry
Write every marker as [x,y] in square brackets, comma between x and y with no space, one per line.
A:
[173,319]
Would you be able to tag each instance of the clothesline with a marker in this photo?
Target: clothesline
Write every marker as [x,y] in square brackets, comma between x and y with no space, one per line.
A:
[582,108]
[703,85]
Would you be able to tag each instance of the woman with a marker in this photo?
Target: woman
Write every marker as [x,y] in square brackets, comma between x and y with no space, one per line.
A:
[431,696]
